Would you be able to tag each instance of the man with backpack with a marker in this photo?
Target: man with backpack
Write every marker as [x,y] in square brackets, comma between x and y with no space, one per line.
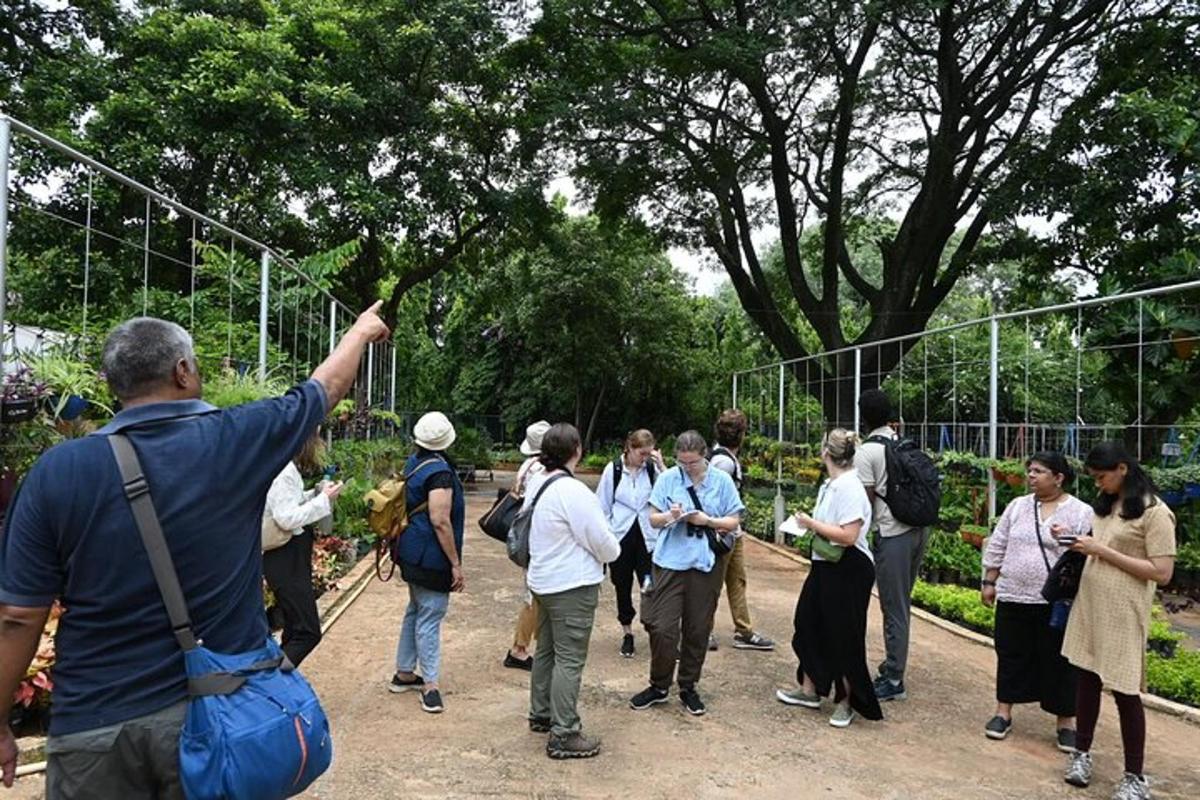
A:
[730,433]
[902,484]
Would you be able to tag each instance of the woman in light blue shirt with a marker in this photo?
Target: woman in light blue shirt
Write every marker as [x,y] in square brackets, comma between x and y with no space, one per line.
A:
[624,494]
[689,503]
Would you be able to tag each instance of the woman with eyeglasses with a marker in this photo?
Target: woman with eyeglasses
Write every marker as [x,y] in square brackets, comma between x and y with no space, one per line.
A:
[688,502]
[1131,549]
[1019,553]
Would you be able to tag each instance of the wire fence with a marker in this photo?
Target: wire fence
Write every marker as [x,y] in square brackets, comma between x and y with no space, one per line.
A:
[1062,377]
[83,246]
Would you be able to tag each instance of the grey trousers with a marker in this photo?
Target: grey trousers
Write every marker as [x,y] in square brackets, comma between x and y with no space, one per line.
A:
[134,760]
[897,563]
[564,630]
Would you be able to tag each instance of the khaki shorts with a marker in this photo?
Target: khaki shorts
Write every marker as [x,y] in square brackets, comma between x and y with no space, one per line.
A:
[133,760]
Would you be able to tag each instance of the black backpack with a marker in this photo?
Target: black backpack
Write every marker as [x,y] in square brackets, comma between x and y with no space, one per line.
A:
[619,470]
[737,464]
[914,487]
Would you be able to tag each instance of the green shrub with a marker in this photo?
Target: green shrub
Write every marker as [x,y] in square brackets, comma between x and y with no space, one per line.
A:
[471,446]
[956,604]
[227,388]
[1175,678]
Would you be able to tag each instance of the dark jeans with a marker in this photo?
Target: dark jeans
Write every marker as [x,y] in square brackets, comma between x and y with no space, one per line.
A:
[134,760]
[634,559]
[288,571]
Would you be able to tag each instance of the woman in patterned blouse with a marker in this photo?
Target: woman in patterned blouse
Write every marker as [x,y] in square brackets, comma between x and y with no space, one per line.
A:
[1019,554]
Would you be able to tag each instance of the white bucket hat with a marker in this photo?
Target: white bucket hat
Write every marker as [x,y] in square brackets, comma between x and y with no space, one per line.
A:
[433,431]
[532,445]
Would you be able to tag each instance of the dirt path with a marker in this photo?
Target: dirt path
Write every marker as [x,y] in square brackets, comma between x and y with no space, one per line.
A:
[749,745]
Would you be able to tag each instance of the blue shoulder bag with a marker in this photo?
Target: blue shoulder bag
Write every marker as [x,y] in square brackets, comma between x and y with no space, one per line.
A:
[254,728]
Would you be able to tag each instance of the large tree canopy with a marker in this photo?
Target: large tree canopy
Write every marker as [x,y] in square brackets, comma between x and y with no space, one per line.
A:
[720,119]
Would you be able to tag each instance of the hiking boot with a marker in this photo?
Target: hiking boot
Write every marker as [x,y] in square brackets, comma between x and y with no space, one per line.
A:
[573,745]
[1079,769]
[843,715]
[712,643]
[888,689]
[651,696]
[431,701]
[1066,740]
[998,727]
[1132,787]
[398,685]
[692,702]
[627,646]
[752,642]
[798,697]
[540,724]
[512,662]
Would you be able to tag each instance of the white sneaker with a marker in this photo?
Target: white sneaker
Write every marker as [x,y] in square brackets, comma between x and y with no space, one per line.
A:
[1132,787]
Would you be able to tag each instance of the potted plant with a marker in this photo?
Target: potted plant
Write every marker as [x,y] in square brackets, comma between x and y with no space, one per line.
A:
[20,395]
[1190,474]
[73,386]
[973,534]
[1170,482]
[1009,471]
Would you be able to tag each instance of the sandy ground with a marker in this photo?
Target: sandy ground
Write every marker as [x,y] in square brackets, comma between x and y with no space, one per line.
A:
[749,745]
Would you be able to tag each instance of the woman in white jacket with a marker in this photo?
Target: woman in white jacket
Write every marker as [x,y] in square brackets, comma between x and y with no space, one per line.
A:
[288,568]
[569,544]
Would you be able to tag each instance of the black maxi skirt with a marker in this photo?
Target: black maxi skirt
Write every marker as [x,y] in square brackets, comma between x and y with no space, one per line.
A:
[1030,667]
[830,636]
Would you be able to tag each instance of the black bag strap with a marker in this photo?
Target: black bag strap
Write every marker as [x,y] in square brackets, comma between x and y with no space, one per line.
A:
[137,491]
[618,471]
[542,490]
[1037,531]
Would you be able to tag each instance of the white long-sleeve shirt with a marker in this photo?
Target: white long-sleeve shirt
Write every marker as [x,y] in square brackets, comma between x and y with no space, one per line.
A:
[569,538]
[631,501]
[290,505]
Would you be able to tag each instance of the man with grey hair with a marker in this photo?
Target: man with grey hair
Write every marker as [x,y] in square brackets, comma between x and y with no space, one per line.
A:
[120,687]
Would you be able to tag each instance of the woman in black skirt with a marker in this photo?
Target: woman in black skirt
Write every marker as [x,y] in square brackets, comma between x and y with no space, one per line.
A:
[831,615]
[1029,632]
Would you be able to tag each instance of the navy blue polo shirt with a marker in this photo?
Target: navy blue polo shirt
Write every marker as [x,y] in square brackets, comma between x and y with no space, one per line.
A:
[71,535]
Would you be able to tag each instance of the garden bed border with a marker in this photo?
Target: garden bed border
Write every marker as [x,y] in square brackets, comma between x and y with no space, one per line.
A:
[1151,701]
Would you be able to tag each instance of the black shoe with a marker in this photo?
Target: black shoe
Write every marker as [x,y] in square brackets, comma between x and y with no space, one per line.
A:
[540,724]
[692,702]
[1066,740]
[431,701]
[887,689]
[512,662]
[651,696]
[752,642]
[627,646]
[573,745]
[397,685]
[998,727]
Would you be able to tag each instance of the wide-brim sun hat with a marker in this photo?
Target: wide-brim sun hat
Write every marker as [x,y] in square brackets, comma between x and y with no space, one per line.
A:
[534,434]
[434,431]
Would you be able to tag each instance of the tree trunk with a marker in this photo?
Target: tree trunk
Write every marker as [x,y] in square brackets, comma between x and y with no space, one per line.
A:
[591,428]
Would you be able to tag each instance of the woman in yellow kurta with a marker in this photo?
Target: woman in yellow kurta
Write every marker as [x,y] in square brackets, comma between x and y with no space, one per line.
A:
[1132,548]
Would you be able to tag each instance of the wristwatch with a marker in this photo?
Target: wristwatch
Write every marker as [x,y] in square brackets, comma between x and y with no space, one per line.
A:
[987,583]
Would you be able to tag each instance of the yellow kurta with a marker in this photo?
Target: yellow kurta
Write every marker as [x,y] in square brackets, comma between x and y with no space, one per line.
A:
[1106,633]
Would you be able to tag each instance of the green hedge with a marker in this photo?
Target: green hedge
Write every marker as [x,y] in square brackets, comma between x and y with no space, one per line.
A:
[1175,678]
[957,604]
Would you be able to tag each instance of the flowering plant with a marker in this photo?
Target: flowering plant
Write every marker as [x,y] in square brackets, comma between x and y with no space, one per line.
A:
[34,689]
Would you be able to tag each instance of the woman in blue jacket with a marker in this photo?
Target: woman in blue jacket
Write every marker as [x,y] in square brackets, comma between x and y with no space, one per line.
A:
[429,555]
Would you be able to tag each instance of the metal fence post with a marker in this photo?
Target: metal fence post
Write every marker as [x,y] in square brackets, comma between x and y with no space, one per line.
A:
[392,394]
[780,509]
[5,146]
[857,385]
[993,410]
[264,291]
[332,325]
[734,391]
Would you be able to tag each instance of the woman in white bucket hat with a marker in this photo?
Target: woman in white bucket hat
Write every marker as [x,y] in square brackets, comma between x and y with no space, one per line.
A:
[429,555]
